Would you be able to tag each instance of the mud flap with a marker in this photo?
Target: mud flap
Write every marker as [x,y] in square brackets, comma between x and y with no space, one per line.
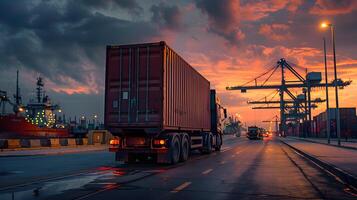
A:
[163,158]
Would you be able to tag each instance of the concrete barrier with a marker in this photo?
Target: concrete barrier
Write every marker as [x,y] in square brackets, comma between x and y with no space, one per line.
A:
[4,144]
[45,142]
[99,137]
[13,143]
[85,141]
[35,143]
[55,142]
[71,142]
[25,143]
[50,142]
[79,141]
[63,142]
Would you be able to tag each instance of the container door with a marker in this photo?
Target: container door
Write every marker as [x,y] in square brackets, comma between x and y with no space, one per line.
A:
[144,85]
[134,86]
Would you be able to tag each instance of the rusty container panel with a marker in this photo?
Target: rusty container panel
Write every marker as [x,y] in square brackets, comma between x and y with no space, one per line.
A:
[149,88]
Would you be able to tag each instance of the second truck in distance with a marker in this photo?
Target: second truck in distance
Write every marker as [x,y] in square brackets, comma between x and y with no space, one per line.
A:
[254,133]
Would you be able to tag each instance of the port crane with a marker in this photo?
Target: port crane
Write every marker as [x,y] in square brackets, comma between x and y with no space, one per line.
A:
[295,108]
[276,120]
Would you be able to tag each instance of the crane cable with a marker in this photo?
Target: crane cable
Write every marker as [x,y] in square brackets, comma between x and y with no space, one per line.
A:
[276,67]
[273,68]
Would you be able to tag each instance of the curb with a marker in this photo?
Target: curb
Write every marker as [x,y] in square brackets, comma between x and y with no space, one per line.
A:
[334,145]
[346,177]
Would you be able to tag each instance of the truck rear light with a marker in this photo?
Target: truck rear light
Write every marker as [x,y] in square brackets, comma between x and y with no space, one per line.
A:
[115,142]
[159,142]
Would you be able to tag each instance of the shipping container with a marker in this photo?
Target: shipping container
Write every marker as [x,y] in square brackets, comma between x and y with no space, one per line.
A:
[152,92]
[348,123]
[151,87]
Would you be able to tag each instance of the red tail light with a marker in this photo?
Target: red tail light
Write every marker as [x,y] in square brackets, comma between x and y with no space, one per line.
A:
[159,143]
[114,141]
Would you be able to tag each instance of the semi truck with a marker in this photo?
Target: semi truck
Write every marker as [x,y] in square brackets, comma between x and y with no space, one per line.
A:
[254,133]
[157,106]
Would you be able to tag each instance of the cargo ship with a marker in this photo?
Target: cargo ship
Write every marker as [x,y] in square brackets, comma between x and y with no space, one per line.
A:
[37,119]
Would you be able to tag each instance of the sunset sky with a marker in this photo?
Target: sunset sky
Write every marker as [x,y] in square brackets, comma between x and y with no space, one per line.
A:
[228,41]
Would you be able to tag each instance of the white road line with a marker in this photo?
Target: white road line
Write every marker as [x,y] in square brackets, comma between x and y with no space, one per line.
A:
[207,171]
[222,162]
[181,187]
[226,149]
[233,156]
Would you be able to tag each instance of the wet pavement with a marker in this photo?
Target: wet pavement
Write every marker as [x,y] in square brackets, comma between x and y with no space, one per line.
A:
[244,169]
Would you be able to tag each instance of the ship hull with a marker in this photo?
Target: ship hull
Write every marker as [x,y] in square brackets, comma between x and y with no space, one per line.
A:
[12,126]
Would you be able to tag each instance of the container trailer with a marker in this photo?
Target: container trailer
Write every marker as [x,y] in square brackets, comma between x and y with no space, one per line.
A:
[158,106]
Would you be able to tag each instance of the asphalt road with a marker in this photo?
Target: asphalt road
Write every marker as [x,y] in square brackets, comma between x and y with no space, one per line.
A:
[244,169]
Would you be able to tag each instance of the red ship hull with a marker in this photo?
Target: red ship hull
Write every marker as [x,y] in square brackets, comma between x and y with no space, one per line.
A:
[12,126]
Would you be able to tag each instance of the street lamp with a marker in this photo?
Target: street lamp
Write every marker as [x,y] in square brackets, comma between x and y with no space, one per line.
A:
[327,100]
[332,28]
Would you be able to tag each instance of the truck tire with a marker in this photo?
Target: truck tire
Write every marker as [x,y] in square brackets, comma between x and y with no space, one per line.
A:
[207,144]
[219,142]
[175,149]
[185,148]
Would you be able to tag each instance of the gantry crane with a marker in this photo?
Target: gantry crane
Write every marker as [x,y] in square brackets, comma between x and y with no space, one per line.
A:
[296,107]
[276,120]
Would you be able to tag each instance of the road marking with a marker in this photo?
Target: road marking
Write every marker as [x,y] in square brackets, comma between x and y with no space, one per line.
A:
[233,156]
[207,171]
[222,162]
[181,187]
[226,149]
[108,187]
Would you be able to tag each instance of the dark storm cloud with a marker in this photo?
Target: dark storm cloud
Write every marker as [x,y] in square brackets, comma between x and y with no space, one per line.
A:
[223,18]
[166,16]
[131,5]
[63,39]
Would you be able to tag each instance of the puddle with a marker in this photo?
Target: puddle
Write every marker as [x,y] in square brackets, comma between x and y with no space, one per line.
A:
[55,187]
[6,173]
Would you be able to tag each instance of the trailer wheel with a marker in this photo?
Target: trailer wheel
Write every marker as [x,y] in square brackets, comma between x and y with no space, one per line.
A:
[175,149]
[185,148]
[207,144]
[219,142]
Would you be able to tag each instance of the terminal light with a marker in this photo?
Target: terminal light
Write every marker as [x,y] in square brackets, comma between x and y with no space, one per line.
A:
[324,25]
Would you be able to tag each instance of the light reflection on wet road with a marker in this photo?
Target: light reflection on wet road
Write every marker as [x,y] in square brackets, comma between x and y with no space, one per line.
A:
[259,170]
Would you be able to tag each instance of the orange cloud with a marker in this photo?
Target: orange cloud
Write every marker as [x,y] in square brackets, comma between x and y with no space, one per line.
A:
[333,7]
[278,32]
[235,67]
[256,10]
[74,87]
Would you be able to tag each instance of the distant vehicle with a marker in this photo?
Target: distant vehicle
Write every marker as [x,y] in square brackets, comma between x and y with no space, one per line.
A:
[157,106]
[254,133]
[233,128]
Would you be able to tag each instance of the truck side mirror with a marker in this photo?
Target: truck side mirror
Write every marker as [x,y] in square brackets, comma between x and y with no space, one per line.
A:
[225,113]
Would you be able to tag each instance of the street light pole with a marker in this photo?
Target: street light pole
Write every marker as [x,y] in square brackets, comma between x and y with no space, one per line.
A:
[336,89]
[327,100]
